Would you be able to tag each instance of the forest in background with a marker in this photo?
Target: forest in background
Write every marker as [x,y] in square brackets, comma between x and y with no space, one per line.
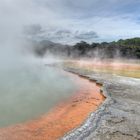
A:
[128,48]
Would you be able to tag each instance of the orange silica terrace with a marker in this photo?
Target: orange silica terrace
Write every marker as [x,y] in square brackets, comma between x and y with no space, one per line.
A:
[61,119]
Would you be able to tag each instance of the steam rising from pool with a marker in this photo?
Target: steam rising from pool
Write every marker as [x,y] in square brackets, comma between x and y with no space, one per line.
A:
[29,90]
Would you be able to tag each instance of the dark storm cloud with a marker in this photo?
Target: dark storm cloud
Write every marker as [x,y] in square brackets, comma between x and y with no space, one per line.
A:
[61,35]
[58,35]
[86,35]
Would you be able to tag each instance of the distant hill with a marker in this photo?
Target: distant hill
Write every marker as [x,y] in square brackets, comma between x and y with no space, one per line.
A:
[128,48]
[46,47]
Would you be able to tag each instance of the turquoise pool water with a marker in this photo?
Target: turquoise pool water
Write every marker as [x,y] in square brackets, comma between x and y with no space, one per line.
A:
[26,92]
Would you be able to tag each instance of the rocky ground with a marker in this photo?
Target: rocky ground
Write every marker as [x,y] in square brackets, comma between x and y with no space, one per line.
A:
[118,118]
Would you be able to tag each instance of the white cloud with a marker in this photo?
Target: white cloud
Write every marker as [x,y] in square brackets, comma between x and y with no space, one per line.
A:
[110,20]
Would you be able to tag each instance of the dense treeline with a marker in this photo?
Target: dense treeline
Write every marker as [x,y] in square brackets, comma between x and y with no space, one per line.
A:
[129,48]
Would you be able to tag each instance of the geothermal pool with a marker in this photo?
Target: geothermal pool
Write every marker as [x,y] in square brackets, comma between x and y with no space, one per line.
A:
[27,92]
[40,102]
[45,103]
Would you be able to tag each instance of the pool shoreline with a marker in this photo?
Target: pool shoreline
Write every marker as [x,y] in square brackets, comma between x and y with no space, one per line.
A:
[118,116]
[49,126]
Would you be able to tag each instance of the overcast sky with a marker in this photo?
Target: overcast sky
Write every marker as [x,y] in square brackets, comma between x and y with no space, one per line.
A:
[69,21]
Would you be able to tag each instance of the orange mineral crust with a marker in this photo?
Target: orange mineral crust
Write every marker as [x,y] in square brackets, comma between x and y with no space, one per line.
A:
[116,65]
[123,68]
[62,118]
